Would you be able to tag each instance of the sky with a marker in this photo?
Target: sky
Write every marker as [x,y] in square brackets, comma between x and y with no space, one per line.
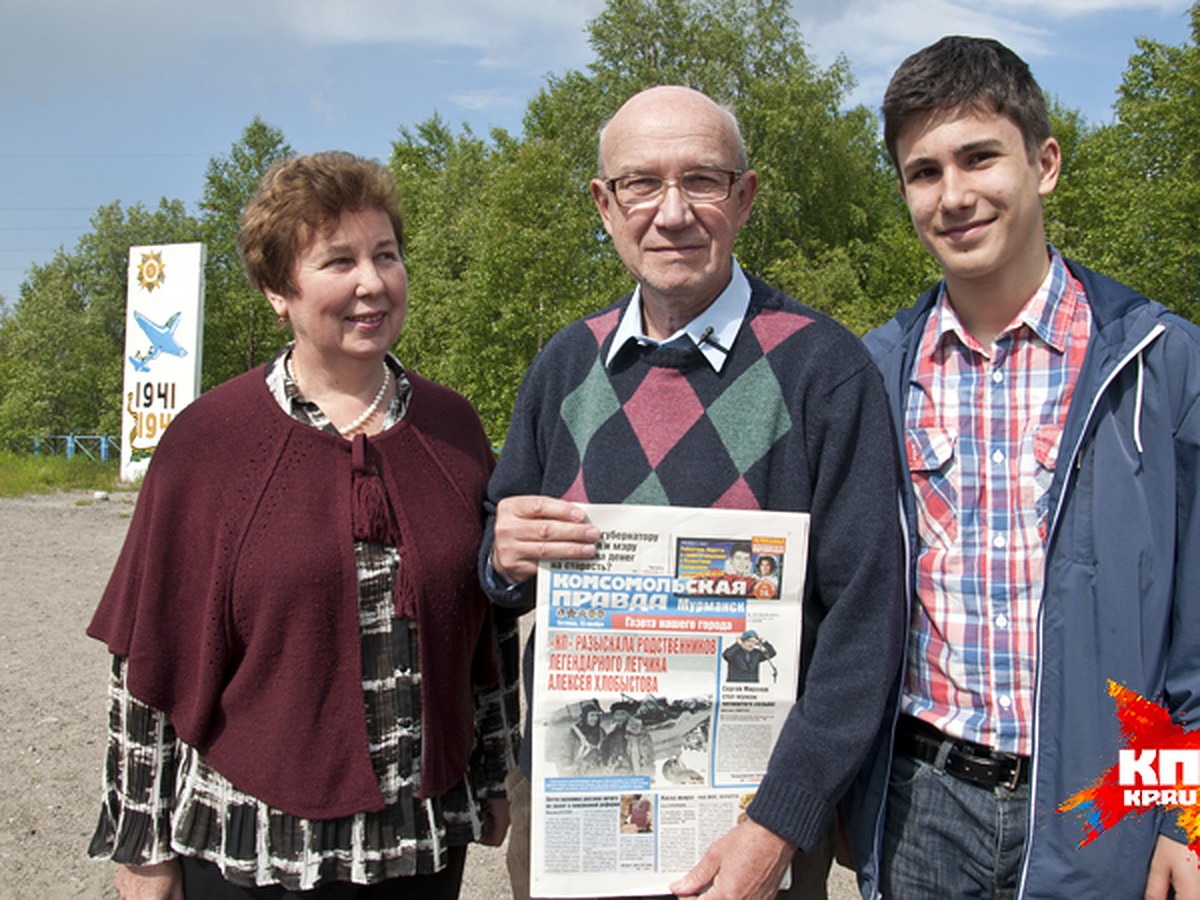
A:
[128,100]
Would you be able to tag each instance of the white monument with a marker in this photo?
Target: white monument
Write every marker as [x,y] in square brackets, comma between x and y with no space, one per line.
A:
[164,336]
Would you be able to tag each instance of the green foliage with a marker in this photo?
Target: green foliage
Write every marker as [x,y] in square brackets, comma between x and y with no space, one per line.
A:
[240,330]
[62,345]
[435,171]
[539,265]
[861,283]
[493,278]
[504,246]
[1133,192]
[721,47]
[21,474]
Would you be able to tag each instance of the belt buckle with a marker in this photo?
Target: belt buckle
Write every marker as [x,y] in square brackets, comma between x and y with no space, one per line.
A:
[1014,779]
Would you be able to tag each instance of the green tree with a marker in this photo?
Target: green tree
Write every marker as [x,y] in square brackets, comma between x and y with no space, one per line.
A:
[62,344]
[821,168]
[240,330]
[45,389]
[537,269]
[1134,192]
[438,175]
[506,246]
[495,243]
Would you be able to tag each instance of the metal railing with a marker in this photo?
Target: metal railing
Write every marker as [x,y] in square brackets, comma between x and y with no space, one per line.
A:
[97,447]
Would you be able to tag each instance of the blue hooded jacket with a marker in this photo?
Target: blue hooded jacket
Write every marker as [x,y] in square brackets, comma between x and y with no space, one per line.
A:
[1121,598]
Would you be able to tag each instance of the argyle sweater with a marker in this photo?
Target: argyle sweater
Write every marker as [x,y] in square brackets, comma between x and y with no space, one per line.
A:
[796,420]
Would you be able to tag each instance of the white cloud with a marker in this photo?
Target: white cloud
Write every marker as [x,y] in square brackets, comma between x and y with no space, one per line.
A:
[877,32]
[876,35]
[472,23]
[1066,9]
[55,45]
[66,48]
[489,99]
[322,109]
[874,31]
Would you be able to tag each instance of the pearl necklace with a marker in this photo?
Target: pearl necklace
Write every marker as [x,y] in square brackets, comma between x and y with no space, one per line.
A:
[373,408]
[368,412]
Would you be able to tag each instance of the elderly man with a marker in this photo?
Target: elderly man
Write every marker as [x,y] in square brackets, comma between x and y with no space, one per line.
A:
[705,387]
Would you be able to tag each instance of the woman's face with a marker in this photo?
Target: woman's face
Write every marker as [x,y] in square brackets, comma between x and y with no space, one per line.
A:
[351,291]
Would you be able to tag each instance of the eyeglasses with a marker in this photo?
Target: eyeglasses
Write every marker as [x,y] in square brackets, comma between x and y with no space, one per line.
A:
[697,186]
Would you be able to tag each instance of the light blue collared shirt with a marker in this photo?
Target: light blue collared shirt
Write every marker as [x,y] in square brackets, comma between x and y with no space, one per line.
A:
[712,331]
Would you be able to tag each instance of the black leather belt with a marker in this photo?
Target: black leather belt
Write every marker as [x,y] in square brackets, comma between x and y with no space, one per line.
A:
[965,760]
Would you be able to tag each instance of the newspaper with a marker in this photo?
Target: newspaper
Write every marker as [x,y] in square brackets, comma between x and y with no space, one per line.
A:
[664,670]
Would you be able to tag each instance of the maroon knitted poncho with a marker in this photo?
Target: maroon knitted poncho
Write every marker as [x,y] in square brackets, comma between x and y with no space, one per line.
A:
[235,596]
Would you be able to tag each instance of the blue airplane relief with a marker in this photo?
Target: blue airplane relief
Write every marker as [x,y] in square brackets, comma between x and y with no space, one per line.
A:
[162,340]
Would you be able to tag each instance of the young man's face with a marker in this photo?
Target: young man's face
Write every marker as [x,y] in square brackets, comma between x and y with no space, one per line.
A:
[974,194]
[739,562]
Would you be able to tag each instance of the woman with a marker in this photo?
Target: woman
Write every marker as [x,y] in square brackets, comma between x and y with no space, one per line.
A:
[766,573]
[301,654]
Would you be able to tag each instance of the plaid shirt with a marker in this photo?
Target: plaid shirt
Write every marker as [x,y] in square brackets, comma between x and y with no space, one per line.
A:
[162,799]
[982,433]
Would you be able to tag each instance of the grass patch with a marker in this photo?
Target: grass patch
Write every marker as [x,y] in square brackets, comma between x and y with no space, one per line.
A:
[21,474]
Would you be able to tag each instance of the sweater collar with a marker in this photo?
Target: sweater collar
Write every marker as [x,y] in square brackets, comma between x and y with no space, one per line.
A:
[712,331]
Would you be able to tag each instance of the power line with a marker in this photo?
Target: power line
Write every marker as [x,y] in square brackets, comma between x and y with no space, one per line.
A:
[47,209]
[139,155]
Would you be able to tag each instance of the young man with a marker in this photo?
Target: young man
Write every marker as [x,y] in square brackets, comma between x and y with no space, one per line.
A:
[648,401]
[1048,419]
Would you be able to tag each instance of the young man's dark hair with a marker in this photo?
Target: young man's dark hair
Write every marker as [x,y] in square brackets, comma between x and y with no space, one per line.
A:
[961,73]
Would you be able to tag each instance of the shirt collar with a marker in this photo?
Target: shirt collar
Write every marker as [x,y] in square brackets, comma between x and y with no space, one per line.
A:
[287,394]
[713,331]
[1051,311]
[1047,314]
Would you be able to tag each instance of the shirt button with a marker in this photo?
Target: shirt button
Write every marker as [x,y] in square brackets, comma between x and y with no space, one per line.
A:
[1001,621]
[998,456]
[1004,701]
[999,542]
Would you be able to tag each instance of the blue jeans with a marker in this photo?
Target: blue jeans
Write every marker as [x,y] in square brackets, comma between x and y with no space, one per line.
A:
[945,837]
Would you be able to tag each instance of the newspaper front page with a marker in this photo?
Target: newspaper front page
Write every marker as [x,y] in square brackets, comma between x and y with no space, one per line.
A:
[664,670]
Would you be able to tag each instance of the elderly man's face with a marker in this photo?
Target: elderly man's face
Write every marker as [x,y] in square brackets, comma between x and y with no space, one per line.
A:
[679,252]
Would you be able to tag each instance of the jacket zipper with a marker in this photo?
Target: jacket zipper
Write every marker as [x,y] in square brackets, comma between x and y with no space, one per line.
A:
[1073,465]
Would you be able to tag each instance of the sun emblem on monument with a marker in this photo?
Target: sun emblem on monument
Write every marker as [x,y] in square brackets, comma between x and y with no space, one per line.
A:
[150,271]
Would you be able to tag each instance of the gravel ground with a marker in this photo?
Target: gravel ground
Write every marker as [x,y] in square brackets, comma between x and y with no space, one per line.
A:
[55,556]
